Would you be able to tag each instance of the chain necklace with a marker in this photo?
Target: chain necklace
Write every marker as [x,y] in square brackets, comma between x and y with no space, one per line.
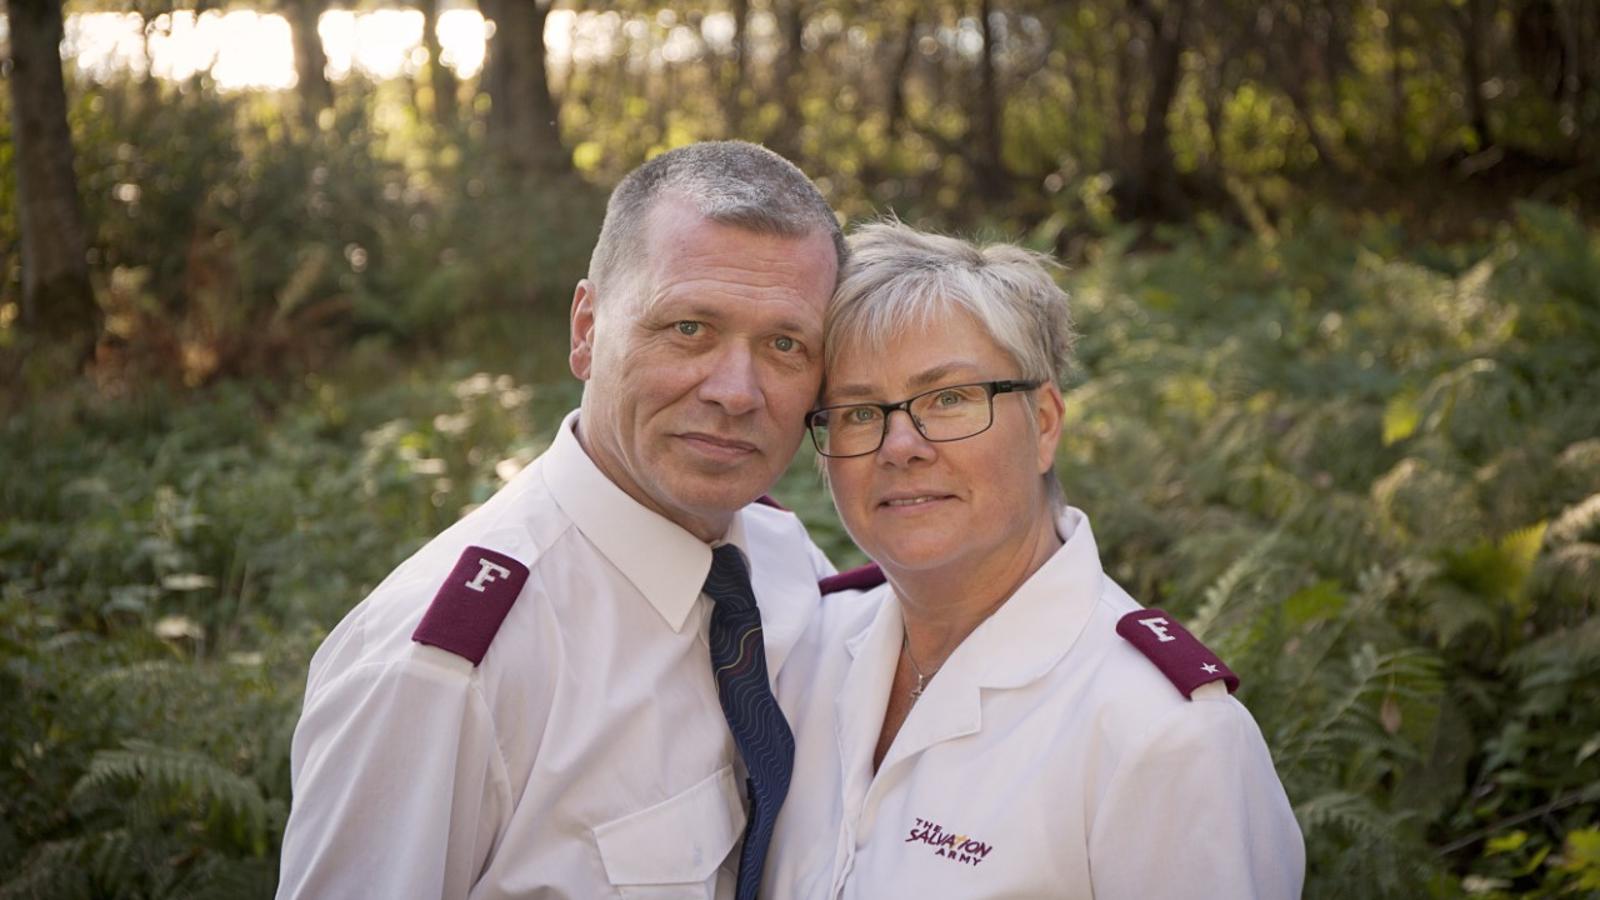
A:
[922,679]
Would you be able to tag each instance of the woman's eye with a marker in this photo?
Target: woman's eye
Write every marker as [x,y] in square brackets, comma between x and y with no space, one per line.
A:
[688,329]
[785,344]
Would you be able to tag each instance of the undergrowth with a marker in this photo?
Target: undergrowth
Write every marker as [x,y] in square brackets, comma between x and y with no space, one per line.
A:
[1368,474]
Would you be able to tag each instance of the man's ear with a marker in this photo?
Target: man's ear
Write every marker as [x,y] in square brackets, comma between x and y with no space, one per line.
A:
[1049,412]
[581,357]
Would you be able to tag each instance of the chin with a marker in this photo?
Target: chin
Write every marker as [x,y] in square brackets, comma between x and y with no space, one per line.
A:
[915,553]
[724,495]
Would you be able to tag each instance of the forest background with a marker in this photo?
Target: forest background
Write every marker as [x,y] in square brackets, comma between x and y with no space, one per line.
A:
[1335,263]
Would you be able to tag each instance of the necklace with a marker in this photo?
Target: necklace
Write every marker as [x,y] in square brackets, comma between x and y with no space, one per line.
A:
[922,679]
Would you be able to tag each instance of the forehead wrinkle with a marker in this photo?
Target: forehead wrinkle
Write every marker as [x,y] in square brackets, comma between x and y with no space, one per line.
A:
[926,378]
[692,307]
[940,372]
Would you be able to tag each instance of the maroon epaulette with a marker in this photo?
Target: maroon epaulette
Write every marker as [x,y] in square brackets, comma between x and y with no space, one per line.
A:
[472,603]
[766,500]
[860,578]
[1177,653]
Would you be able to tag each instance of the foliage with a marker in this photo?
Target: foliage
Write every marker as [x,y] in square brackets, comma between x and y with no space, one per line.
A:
[1366,472]
[168,565]
[229,239]
[1369,480]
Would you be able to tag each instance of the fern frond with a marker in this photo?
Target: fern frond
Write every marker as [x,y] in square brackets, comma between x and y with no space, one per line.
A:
[1575,650]
[1568,580]
[1351,813]
[54,869]
[1234,582]
[180,775]
[1349,718]
[1579,522]
[142,676]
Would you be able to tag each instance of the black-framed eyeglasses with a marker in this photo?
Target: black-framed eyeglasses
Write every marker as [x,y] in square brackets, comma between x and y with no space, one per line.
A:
[943,414]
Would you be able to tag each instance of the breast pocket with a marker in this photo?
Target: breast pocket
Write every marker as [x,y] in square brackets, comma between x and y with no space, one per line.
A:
[674,849]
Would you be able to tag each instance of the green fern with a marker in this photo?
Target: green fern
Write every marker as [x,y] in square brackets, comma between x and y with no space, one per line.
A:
[185,779]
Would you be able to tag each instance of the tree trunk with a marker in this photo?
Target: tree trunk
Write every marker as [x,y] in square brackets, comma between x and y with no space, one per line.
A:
[57,301]
[897,76]
[523,125]
[991,169]
[792,26]
[1154,172]
[733,98]
[1397,83]
[1215,93]
[440,78]
[310,62]
[1472,18]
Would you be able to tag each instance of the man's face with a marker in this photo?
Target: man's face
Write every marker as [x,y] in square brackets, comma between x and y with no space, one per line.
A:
[701,364]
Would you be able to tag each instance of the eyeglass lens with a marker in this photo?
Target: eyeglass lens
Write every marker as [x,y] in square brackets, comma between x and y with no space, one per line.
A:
[945,414]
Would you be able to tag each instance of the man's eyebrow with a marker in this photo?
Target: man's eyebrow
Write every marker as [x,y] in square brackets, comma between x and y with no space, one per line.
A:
[794,326]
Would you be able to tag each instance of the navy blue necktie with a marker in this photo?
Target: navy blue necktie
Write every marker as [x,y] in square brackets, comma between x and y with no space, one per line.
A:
[739,660]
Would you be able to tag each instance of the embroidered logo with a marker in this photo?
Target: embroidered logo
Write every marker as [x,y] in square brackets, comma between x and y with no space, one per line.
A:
[963,848]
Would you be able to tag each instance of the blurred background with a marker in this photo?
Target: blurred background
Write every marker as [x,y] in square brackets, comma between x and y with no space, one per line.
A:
[283,291]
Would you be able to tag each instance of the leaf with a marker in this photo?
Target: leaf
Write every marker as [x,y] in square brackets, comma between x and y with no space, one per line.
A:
[1401,415]
[188,581]
[1389,714]
[1323,600]
[1506,843]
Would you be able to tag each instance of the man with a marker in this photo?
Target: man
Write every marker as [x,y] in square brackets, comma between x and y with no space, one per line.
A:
[529,705]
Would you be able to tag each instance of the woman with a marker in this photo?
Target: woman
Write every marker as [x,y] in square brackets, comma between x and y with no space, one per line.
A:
[977,726]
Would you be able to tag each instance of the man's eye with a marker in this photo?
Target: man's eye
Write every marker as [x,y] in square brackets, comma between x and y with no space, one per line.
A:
[860,415]
[687,329]
[785,344]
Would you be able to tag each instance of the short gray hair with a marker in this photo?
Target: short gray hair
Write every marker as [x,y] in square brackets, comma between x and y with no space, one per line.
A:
[900,279]
[730,182]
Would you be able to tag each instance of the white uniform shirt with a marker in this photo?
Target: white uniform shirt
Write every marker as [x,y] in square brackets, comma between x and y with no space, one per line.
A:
[586,756]
[1048,757]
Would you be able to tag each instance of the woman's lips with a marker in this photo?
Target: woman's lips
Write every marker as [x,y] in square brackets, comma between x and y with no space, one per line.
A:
[913,501]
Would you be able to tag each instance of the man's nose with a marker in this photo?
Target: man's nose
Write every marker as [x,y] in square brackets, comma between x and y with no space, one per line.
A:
[733,382]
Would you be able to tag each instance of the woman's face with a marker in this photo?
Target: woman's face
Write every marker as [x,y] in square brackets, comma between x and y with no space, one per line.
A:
[917,505]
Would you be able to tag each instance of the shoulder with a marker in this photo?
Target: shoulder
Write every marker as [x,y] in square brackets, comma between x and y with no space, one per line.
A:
[851,601]
[459,594]
[1142,676]
[853,581]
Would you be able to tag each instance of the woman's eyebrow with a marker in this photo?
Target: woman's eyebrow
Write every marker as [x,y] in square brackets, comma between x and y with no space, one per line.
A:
[941,372]
[922,379]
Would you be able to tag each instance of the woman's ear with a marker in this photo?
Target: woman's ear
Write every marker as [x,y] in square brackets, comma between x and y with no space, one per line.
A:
[1049,412]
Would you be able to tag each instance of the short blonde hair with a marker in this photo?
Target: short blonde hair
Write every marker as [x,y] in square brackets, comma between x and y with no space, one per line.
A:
[899,279]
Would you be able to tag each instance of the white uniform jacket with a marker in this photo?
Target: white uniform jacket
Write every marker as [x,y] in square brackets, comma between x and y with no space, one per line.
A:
[586,756]
[1048,757]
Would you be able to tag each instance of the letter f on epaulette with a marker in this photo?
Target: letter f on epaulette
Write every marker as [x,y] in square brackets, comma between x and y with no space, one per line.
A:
[1185,661]
[472,603]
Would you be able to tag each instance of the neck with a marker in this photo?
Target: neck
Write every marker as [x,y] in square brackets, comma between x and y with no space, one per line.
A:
[942,606]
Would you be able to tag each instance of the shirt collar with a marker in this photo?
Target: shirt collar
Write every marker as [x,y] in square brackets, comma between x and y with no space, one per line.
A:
[1030,632]
[664,562]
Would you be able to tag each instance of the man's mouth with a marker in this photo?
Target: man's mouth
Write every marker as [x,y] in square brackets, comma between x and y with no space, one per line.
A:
[719,444]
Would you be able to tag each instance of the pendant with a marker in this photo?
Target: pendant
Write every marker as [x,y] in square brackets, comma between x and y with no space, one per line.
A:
[917,691]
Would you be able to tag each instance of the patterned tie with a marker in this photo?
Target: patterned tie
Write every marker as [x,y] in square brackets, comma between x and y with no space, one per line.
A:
[739,659]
